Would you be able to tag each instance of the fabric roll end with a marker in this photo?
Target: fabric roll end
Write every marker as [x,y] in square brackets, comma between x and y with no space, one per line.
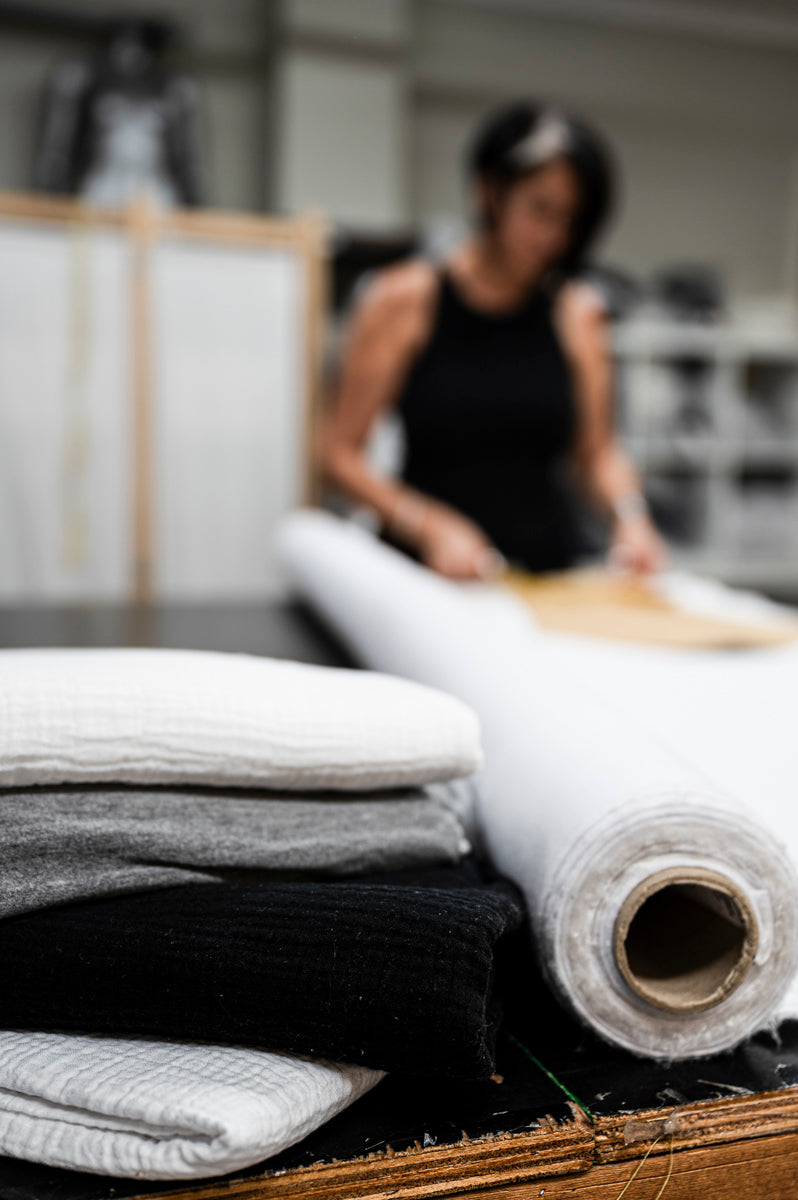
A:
[685,939]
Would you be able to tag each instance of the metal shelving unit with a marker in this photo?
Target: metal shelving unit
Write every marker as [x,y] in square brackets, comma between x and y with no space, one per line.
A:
[710,415]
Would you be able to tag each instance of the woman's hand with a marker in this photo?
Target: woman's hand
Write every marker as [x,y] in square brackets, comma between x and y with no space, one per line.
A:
[637,547]
[454,546]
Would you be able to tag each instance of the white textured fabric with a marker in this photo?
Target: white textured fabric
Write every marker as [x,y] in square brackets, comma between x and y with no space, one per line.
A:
[604,766]
[65,413]
[161,1110]
[185,716]
[226,351]
[732,714]
[713,599]
[228,381]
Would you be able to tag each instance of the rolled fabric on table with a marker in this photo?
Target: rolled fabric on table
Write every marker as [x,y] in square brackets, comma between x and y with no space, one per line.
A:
[661,884]
[236,720]
[72,843]
[161,1110]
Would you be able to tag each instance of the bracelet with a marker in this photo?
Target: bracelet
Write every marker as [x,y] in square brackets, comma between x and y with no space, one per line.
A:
[630,506]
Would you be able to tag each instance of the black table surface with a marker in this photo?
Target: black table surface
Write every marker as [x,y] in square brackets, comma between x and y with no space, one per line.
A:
[546,1063]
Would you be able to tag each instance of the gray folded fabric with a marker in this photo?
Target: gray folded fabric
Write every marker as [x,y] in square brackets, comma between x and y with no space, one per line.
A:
[70,843]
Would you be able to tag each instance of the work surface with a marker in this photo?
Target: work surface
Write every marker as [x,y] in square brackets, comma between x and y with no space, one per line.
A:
[565,1116]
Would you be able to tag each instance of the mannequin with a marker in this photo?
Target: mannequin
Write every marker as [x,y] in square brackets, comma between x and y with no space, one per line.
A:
[118,124]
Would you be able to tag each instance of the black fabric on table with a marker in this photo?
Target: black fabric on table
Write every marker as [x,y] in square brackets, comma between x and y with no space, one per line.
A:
[396,972]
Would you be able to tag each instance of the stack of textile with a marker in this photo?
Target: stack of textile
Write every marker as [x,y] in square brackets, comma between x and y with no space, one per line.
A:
[212,865]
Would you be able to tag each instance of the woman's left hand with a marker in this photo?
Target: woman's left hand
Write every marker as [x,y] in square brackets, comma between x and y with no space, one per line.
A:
[637,547]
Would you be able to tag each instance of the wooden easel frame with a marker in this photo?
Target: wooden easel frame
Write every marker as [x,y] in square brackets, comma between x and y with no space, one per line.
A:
[144,226]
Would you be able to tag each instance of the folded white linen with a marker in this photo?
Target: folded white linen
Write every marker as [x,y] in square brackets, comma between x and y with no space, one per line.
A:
[185,716]
[161,1110]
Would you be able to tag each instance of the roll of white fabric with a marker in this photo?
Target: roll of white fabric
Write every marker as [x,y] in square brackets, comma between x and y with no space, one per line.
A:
[657,868]
[161,1110]
[237,720]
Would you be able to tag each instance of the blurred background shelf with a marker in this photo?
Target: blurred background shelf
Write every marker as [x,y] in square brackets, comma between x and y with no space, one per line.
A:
[709,413]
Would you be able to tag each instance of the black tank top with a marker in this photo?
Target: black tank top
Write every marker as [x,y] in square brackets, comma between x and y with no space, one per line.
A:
[489,416]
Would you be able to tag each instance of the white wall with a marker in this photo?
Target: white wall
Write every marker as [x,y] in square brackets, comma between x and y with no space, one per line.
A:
[705,130]
[341,139]
[342,98]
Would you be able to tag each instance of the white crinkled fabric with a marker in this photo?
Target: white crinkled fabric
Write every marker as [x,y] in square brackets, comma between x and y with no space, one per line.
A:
[201,717]
[161,1110]
[608,767]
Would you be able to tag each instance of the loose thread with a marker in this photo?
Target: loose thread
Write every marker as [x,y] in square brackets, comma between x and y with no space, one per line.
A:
[670,1172]
[553,1078]
[637,1169]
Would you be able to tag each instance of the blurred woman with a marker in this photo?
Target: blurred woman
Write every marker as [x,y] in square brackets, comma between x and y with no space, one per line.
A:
[497,365]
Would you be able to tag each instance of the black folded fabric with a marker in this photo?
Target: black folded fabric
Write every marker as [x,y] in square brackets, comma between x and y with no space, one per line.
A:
[397,974]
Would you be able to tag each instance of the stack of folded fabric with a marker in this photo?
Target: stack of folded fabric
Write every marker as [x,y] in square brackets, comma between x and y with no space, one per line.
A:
[214,864]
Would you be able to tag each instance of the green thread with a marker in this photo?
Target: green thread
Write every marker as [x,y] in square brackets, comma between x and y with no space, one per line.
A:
[552,1077]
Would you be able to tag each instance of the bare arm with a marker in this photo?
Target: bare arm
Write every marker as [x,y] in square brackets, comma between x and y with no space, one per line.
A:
[385,332]
[603,467]
[388,329]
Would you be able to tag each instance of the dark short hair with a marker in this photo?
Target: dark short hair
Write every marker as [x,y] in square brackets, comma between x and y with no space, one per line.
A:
[518,139]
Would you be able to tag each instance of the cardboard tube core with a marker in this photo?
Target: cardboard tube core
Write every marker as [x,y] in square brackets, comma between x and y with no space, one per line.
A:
[685,939]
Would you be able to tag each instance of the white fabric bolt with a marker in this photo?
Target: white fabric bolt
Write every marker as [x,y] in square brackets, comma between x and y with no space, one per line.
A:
[161,1110]
[237,720]
[605,765]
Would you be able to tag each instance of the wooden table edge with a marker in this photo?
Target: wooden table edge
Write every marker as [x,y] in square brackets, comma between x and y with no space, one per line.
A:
[549,1151]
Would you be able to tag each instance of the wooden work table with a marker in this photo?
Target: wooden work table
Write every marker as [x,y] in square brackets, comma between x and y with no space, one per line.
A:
[566,1115]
